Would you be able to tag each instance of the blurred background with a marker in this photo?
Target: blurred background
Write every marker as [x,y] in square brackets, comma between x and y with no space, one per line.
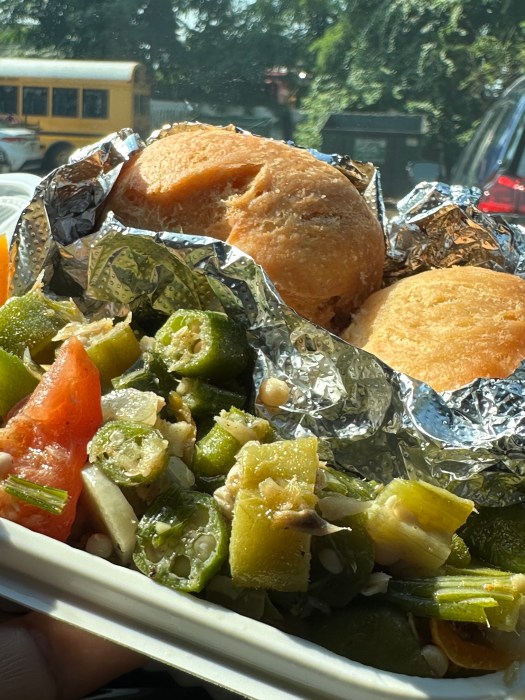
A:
[401,83]
[425,90]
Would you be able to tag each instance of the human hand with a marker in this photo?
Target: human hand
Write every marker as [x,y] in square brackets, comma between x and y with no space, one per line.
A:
[50,660]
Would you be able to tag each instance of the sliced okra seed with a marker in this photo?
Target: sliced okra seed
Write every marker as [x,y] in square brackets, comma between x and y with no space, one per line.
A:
[203,546]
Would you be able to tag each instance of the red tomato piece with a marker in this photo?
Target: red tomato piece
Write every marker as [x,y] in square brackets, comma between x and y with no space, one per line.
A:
[48,436]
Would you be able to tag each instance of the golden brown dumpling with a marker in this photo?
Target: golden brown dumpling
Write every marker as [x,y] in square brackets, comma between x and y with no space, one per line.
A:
[446,327]
[301,219]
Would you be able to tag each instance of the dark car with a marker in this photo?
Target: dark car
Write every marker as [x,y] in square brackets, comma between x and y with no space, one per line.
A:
[494,160]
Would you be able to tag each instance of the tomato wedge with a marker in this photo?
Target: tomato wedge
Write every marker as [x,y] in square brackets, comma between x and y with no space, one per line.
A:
[47,439]
[468,654]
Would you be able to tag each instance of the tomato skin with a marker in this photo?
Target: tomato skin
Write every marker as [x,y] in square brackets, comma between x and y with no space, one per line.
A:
[48,436]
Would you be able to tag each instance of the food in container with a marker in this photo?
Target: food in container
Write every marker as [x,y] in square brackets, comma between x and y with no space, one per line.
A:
[372,532]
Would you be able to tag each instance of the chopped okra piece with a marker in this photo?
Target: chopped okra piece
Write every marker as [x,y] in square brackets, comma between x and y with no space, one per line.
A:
[333,481]
[375,633]
[129,453]
[273,481]
[204,398]
[496,536]
[412,523]
[114,352]
[459,552]
[182,540]
[112,348]
[17,380]
[341,563]
[206,344]
[149,373]
[31,321]
[215,452]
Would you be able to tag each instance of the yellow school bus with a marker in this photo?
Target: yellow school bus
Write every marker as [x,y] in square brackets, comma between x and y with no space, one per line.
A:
[74,103]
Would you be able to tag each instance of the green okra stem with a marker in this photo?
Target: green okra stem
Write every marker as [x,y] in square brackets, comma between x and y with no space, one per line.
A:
[470,595]
[46,498]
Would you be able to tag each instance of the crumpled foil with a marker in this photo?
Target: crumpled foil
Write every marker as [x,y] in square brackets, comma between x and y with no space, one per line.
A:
[369,419]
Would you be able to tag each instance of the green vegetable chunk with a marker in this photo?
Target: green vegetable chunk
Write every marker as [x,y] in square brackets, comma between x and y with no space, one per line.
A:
[182,540]
[275,490]
[341,564]
[374,633]
[206,344]
[205,399]
[215,452]
[149,373]
[484,596]
[31,321]
[496,536]
[16,381]
[129,453]
[114,352]
[412,524]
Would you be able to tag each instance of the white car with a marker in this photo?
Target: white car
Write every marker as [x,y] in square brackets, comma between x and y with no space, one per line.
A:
[19,148]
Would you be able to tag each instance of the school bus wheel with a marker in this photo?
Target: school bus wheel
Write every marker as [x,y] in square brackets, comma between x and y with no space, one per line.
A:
[58,155]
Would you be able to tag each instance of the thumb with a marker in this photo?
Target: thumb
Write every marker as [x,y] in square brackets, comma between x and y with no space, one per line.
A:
[51,660]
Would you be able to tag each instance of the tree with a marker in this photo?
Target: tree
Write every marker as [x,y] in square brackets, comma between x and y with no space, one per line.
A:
[443,58]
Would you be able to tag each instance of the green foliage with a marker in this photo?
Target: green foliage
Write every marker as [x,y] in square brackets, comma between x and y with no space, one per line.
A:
[446,59]
[323,99]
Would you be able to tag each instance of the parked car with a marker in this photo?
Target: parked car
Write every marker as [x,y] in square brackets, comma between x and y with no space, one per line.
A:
[19,148]
[494,160]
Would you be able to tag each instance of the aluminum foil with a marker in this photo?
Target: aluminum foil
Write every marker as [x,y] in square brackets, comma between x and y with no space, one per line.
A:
[369,419]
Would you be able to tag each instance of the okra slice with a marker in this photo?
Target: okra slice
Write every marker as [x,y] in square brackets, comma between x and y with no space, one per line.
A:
[149,373]
[205,399]
[31,321]
[496,536]
[341,564]
[207,344]
[114,352]
[16,381]
[182,540]
[216,451]
[129,453]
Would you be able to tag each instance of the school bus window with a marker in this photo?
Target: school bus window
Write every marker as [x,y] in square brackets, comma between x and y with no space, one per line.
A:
[8,99]
[34,101]
[65,102]
[141,105]
[95,104]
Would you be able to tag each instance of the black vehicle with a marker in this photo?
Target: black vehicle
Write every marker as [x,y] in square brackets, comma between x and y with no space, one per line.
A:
[494,160]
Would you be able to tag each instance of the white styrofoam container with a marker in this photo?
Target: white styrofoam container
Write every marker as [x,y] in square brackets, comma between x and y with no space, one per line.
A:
[203,639]
[16,191]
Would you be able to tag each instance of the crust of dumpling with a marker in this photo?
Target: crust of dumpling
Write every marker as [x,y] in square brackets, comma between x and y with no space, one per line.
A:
[300,218]
[446,327]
